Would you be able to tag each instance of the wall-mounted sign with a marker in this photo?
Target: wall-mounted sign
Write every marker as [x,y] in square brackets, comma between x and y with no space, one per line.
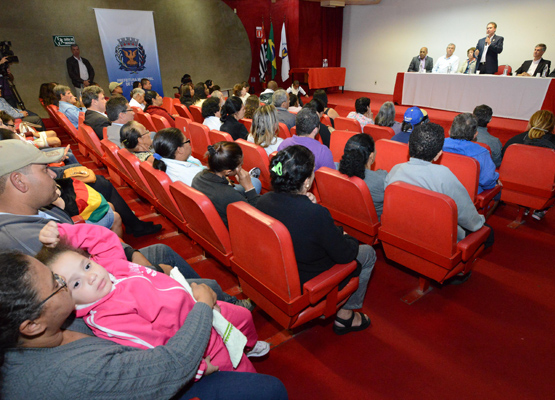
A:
[259,32]
[63,40]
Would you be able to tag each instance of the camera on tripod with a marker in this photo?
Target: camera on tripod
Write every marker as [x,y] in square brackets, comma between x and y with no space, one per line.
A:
[5,51]
[6,79]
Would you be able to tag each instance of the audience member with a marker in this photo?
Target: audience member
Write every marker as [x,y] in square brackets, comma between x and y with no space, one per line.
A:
[324,130]
[43,140]
[232,111]
[321,95]
[295,89]
[294,105]
[66,101]
[146,84]
[201,94]
[483,116]
[488,49]
[187,92]
[136,138]
[154,106]
[386,117]
[216,94]
[211,113]
[280,100]
[447,64]
[265,128]
[240,91]
[80,70]
[460,141]
[115,89]
[209,85]
[266,95]
[47,95]
[537,65]
[251,105]
[308,124]
[95,116]
[469,66]
[137,98]
[357,160]
[25,115]
[413,117]
[541,128]
[119,112]
[421,63]
[318,243]
[363,113]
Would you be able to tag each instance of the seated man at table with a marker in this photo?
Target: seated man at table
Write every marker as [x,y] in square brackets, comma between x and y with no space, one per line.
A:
[447,64]
[483,115]
[460,141]
[414,116]
[421,62]
[535,66]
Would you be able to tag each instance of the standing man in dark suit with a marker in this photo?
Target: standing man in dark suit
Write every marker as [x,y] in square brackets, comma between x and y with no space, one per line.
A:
[421,62]
[79,69]
[487,50]
[535,67]
[95,117]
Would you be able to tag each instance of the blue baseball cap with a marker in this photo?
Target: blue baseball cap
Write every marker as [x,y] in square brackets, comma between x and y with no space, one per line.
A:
[414,115]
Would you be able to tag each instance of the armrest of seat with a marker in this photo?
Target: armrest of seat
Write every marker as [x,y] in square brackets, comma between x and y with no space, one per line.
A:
[484,198]
[321,285]
[470,244]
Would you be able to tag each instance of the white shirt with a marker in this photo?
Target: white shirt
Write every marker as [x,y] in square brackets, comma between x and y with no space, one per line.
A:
[291,89]
[271,148]
[486,47]
[446,65]
[183,171]
[533,67]
[83,72]
[135,103]
[212,123]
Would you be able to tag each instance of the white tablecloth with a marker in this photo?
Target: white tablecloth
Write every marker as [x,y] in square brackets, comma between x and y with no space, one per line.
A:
[509,96]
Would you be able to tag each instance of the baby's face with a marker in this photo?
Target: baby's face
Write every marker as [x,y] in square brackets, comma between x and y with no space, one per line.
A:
[86,280]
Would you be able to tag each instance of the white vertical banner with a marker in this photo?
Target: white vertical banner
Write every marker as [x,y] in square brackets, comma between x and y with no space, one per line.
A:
[284,54]
[129,44]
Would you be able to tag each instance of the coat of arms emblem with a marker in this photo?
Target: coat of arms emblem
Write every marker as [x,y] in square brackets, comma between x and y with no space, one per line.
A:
[130,55]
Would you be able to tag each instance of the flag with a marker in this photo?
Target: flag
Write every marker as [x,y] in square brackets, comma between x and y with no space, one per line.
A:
[283,53]
[272,51]
[263,59]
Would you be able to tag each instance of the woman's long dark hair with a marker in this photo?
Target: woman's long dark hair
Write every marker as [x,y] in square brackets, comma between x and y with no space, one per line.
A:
[356,155]
[165,143]
[231,106]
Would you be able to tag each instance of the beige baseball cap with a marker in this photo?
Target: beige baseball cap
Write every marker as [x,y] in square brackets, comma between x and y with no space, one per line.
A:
[113,85]
[16,154]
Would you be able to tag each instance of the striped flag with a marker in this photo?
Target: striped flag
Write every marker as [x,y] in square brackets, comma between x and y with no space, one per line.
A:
[263,60]
[272,51]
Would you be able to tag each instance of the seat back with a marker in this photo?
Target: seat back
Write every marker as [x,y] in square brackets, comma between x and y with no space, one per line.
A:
[145,120]
[219,136]
[338,140]
[81,118]
[204,224]
[196,112]
[378,132]
[53,113]
[159,122]
[349,202]
[182,124]
[485,146]
[466,169]
[528,176]
[168,105]
[347,124]
[137,110]
[132,164]
[255,156]
[389,154]
[501,68]
[67,126]
[199,139]
[111,152]
[284,131]
[92,142]
[183,111]
[247,122]
[160,182]
[326,120]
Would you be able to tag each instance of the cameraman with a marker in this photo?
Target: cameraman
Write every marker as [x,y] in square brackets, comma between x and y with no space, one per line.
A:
[5,77]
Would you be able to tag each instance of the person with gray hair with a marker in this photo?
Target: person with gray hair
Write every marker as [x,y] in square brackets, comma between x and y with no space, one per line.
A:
[460,141]
[447,64]
[537,65]
[483,114]
[137,98]
[67,104]
[308,125]
[119,113]
[280,100]
[386,117]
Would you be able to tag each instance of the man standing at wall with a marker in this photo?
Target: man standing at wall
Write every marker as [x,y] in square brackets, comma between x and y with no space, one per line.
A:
[79,69]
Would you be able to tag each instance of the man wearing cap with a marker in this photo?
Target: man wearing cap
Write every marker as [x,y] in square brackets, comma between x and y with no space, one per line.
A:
[115,89]
[414,116]
[79,69]
[95,117]
[119,113]
[67,104]
[27,186]
[421,63]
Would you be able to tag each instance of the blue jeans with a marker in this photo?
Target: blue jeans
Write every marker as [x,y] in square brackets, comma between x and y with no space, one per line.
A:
[367,258]
[255,182]
[224,385]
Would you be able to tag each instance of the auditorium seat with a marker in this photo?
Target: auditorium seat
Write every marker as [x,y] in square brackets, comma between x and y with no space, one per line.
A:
[168,105]
[139,184]
[350,204]
[338,140]
[137,110]
[284,131]
[73,132]
[501,68]
[182,124]
[326,120]
[199,139]
[219,136]
[159,122]
[183,111]
[255,156]
[247,122]
[92,142]
[485,146]
[378,132]
[347,124]
[196,112]
[264,261]
[145,120]
[113,161]
[389,153]
[204,224]
[425,241]
[528,175]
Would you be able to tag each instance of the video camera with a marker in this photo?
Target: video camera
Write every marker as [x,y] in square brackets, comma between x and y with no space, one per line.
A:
[5,51]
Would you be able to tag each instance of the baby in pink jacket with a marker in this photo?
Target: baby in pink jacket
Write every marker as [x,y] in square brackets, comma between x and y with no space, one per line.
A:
[128,303]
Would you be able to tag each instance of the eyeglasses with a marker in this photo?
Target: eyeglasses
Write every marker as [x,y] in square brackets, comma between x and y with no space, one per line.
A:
[12,125]
[60,282]
[130,110]
[144,134]
[186,141]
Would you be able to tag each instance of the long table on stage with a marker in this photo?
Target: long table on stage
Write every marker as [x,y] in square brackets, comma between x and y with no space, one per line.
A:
[320,78]
[514,97]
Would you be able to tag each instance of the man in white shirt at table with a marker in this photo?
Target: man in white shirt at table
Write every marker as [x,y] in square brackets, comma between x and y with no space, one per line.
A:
[447,64]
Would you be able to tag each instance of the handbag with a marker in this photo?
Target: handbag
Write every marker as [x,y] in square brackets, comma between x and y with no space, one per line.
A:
[81,173]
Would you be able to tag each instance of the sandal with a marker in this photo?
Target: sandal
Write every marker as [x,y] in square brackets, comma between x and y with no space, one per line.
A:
[348,324]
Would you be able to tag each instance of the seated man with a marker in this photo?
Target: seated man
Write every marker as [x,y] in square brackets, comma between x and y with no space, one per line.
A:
[308,124]
[363,113]
[421,63]
[463,131]
[137,98]
[536,66]
[413,117]
[95,102]
[67,104]
[447,64]
[425,147]
[115,89]
[25,115]
[266,95]
[211,113]
[483,115]
[146,84]
[280,100]
[119,113]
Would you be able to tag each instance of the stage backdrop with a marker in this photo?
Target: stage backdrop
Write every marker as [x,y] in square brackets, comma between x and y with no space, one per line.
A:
[129,44]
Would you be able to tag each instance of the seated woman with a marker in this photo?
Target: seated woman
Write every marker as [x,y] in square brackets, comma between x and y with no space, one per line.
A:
[265,128]
[469,66]
[363,113]
[211,113]
[173,156]
[324,130]
[357,161]
[41,140]
[294,103]
[232,111]
[46,94]
[386,117]
[538,133]
[201,94]
[34,346]
[251,105]
[187,92]
[136,138]
[240,91]
[246,91]
[224,161]
[318,243]
[321,95]
[154,106]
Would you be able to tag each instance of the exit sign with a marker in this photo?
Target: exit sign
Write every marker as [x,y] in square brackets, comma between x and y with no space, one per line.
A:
[63,41]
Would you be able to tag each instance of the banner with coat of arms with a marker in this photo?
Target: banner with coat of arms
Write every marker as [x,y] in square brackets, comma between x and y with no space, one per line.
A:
[129,44]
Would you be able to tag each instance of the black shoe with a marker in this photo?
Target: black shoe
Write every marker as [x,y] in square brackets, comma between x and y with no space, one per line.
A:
[147,228]
[458,279]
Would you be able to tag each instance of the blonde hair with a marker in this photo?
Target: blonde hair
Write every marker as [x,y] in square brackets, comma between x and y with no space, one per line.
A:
[541,122]
[265,125]
[251,105]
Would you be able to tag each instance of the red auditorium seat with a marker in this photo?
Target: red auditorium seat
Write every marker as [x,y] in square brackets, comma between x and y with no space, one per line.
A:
[115,167]
[284,131]
[350,204]
[268,273]
[199,139]
[256,156]
[139,184]
[424,241]
[196,112]
[182,124]
[219,136]
[204,224]
[378,132]
[159,122]
[347,124]
[326,120]
[168,105]
[92,142]
[390,153]
[247,122]
[145,120]
[183,111]
[528,175]
[338,140]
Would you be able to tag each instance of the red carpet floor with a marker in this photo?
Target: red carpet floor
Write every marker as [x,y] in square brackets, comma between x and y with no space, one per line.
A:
[490,338]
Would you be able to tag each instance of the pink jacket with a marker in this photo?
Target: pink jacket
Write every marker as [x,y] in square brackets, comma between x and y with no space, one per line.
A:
[146,308]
